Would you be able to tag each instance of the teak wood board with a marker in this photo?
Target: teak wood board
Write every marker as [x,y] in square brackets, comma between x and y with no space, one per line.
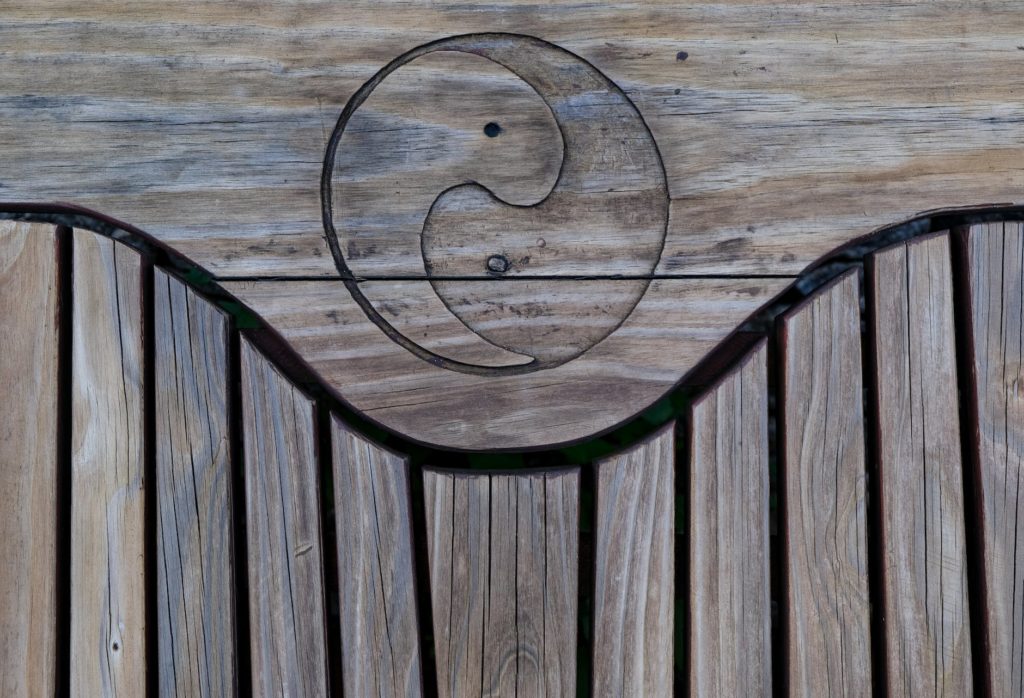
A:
[516,195]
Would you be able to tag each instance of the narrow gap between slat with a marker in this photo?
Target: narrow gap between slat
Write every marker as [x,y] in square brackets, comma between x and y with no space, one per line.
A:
[236,495]
[586,581]
[874,515]
[970,447]
[681,602]
[329,546]
[62,587]
[776,519]
[421,580]
[778,348]
[149,477]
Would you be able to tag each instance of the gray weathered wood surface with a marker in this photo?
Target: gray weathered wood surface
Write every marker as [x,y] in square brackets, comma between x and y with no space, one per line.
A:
[28,458]
[782,131]
[108,623]
[678,320]
[503,580]
[730,615]
[928,648]
[372,513]
[195,585]
[821,442]
[286,594]
[996,263]
[635,568]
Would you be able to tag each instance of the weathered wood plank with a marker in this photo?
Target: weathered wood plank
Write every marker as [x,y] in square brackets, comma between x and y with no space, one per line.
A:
[108,623]
[29,281]
[372,512]
[634,585]
[730,617]
[676,323]
[286,594]
[195,597]
[996,272]
[828,638]
[206,125]
[928,649]
[503,579]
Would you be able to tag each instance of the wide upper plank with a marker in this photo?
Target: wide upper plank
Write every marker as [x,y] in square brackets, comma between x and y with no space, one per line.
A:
[195,596]
[828,644]
[286,592]
[206,124]
[372,513]
[503,580]
[996,264]
[928,648]
[730,615]
[29,286]
[108,619]
[634,585]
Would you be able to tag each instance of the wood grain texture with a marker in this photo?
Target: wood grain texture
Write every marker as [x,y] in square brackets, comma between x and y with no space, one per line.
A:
[928,648]
[675,325]
[633,593]
[996,263]
[730,615]
[503,579]
[286,594]
[108,620]
[828,638]
[811,124]
[372,511]
[28,458]
[195,586]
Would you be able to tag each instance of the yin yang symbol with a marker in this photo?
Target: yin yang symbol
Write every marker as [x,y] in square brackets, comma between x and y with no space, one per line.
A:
[500,188]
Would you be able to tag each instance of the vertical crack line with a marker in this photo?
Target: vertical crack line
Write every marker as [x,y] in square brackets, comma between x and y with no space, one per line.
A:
[875,515]
[682,618]
[64,252]
[150,571]
[970,446]
[237,503]
[586,579]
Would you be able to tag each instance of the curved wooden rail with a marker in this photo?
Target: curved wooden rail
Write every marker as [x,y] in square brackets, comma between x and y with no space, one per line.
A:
[183,513]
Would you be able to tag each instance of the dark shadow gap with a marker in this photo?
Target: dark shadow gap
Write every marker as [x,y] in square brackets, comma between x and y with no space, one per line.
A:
[329,548]
[970,446]
[240,550]
[777,352]
[149,478]
[586,581]
[682,618]
[875,512]
[421,579]
[64,252]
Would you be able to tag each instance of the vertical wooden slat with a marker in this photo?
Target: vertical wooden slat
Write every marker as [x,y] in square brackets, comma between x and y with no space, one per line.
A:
[372,512]
[108,512]
[28,457]
[996,273]
[286,595]
[633,609]
[195,601]
[503,579]
[730,620]
[824,480]
[928,647]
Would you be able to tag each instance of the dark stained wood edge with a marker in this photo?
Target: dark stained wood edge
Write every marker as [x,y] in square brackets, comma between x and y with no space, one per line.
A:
[421,578]
[970,448]
[322,441]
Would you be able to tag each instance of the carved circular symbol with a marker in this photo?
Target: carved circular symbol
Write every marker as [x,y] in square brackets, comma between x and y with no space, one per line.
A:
[511,175]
